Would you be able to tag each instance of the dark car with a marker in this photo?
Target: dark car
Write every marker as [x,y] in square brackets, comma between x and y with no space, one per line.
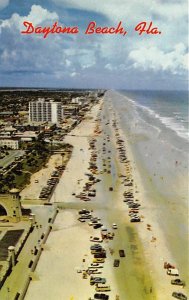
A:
[177,282]
[121,253]
[101,296]
[95,247]
[101,254]
[135,219]
[116,262]
[97,226]
[179,295]
[84,211]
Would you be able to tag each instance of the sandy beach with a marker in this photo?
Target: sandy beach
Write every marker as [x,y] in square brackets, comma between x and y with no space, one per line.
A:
[38,179]
[141,274]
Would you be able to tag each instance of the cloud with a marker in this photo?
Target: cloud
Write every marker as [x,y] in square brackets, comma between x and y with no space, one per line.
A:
[131,9]
[99,59]
[61,55]
[146,52]
[37,15]
[3,4]
[158,60]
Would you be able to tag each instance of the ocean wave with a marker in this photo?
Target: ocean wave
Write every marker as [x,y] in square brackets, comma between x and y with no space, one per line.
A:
[169,122]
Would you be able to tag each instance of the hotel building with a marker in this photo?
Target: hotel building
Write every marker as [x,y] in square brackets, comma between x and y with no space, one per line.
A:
[43,111]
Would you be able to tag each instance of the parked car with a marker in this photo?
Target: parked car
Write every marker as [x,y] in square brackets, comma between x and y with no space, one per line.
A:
[177,282]
[101,254]
[173,272]
[95,280]
[96,247]
[95,239]
[179,295]
[98,260]
[121,253]
[102,288]
[114,226]
[116,262]
[96,226]
[135,219]
[101,296]
[96,251]
[84,211]
[95,265]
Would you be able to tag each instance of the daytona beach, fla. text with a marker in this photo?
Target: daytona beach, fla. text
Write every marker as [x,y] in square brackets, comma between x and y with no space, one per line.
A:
[92,28]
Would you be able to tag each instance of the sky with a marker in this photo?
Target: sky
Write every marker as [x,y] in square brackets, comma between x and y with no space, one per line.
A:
[107,61]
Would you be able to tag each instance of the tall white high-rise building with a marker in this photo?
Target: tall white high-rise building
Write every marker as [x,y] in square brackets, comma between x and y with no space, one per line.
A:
[43,111]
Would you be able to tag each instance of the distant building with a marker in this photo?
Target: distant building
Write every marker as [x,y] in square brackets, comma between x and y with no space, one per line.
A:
[43,111]
[71,110]
[4,114]
[27,136]
[10,142]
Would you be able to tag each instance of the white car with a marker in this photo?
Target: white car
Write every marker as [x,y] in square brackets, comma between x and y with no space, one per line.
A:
[114,226]
[95,239]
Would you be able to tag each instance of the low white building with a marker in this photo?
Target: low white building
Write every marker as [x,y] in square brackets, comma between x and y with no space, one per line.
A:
[9,142]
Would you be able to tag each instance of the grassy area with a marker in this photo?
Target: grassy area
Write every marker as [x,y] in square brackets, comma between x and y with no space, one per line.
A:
[37,156]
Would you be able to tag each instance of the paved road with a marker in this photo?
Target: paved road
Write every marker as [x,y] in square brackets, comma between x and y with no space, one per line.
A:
[8,159]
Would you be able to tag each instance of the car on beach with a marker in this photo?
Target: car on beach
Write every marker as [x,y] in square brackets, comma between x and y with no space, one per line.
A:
[98,260]
[116,262]
[95,239]
[95,280]
[101,296]
[121,253]
[178,282]
[179,295]
[96,251]
[103,229]
[173,272]
[84,211]
[95,265]
[102,288]
[92,223]
[98,225]
[85,217]
[114,226]
[96,247]
[135,219]
[82,220]
[98,266]
[92,270]
[100,254]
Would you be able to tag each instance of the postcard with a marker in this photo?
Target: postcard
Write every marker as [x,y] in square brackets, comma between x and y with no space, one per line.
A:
[94,150]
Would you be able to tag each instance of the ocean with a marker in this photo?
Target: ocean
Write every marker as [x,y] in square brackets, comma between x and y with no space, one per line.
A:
[156,122]
[169,107]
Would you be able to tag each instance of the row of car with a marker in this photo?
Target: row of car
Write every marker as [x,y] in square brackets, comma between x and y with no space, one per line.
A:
[132,205]
[172,271]
[51,183]
[47,190]
[127,179]
[96,266]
